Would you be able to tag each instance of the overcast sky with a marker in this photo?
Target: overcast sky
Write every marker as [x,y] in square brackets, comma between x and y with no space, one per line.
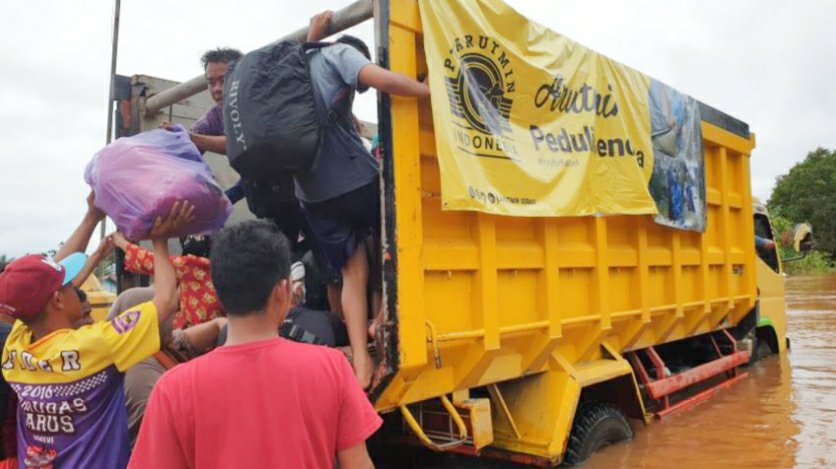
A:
[769,63]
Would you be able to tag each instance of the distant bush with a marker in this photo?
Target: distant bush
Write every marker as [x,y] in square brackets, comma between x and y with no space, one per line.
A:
[816,262]
[807,193]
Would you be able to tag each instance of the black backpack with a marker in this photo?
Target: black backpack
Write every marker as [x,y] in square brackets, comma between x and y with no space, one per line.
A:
[270,112]
[267,199]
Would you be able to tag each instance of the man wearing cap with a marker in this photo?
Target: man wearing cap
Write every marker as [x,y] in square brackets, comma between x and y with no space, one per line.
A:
[68,379]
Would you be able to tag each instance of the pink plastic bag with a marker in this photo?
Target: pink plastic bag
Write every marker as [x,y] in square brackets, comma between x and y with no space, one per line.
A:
[137,179]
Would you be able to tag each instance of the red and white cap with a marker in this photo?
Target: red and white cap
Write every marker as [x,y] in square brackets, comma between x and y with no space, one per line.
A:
[28,282]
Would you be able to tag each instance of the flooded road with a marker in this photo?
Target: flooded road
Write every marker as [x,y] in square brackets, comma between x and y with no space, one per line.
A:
[782,416]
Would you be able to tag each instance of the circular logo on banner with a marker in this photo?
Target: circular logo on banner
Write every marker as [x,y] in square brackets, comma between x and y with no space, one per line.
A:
[478,95]
[480,81]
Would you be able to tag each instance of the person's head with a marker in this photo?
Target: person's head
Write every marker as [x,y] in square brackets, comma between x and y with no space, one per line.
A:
[215,63]
[361,46]
[251,269]
[35,289]
[356,43]
[196,245]
[86,309]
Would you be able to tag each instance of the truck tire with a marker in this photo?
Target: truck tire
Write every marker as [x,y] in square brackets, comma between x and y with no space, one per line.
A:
[596,425]
[762,349]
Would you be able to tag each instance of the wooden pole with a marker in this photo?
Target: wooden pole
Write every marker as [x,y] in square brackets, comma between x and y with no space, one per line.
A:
[110,95]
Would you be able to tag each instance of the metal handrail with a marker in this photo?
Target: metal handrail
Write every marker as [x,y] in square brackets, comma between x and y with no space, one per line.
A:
[426,440]
[431,338]
[343,19]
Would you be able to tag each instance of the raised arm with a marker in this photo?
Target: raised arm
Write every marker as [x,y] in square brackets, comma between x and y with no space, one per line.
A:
[78,241]
[204,142]
[165,279]
[319,26]
[137,259]
[383,80]
[213,143]
[104,249]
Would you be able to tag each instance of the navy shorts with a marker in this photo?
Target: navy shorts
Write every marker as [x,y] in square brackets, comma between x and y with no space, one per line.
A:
[341,224]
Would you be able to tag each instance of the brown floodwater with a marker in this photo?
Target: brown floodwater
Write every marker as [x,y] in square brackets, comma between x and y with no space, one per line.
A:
[782,416]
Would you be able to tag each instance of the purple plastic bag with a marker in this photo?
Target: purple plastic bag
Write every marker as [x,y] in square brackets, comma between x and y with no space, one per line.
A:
[137,179]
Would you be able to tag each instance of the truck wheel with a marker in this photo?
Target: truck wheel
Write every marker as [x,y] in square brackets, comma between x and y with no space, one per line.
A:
[596,425]
[762,349]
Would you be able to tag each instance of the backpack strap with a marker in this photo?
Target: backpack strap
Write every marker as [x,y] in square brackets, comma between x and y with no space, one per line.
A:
[291,331]
[316,45]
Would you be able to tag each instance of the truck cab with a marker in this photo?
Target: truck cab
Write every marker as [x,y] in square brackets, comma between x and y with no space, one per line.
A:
[771,329]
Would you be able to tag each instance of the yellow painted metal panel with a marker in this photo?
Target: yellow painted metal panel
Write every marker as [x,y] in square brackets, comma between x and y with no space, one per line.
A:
[528,302]
[407,180]
[99,298]
[772,306]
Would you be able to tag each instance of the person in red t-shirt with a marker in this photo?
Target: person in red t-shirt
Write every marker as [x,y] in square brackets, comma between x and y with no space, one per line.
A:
[260,400]
[198,299]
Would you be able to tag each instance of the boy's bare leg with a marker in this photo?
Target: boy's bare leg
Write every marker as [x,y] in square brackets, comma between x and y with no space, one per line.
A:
[377,308]
[355,311]
[376,284]
[334,292]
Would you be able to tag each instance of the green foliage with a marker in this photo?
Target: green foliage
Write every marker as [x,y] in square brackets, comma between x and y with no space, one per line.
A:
[816,262]
[808,194]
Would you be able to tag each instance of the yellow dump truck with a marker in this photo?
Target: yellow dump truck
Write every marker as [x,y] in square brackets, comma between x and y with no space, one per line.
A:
[532,338]
[99,298]
[535,338]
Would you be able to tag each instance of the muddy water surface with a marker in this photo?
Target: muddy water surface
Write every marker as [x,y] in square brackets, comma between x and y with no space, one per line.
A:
[782,416]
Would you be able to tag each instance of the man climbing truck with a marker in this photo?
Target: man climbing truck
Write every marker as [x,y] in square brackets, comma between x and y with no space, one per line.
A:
[568,244]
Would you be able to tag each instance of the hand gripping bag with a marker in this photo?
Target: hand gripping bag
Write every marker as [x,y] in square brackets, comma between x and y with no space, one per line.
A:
[137,179]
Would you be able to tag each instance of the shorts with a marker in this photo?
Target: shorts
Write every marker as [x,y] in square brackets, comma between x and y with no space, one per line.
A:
[341,224]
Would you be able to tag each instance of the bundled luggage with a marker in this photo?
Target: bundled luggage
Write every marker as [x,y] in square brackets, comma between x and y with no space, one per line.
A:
[138,178]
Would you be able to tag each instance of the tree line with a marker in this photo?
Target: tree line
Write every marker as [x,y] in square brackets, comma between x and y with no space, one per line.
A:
[807,194]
